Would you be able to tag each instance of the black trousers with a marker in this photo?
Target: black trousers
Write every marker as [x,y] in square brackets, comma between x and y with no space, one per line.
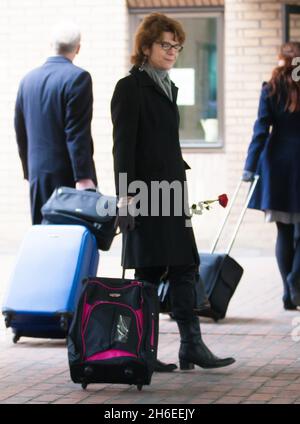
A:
[182,290]
[288,255]
[41,189]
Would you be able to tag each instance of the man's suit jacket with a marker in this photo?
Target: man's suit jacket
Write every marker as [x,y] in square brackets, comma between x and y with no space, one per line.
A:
[53,127]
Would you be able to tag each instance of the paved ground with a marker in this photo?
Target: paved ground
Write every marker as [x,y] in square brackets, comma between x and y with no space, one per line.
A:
[264,339]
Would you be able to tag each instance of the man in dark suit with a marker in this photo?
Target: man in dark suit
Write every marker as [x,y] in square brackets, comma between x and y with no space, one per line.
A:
[53,123]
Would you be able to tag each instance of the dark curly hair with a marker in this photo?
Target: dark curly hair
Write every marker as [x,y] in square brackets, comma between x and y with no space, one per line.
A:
[150,30]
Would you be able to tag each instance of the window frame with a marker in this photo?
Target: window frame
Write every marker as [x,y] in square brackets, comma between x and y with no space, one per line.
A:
[287,10]
[135,15]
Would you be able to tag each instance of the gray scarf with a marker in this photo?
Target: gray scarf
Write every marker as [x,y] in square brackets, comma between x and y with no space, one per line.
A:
[161,78]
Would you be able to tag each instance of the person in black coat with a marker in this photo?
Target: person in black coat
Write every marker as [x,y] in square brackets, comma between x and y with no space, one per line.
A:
[159,241]
[274,156]
[53,116]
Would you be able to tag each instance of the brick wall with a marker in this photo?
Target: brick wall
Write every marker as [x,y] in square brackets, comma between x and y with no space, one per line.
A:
[173,3]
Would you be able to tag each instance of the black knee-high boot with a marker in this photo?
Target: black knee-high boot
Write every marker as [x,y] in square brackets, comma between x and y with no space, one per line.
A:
[193,350]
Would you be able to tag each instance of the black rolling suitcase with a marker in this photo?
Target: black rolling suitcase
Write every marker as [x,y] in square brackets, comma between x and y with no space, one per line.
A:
[114,334]
[113,337]
[221,273]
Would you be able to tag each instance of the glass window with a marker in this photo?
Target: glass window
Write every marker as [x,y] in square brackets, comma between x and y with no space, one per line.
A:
[197,74]
[291,22]
[295,26]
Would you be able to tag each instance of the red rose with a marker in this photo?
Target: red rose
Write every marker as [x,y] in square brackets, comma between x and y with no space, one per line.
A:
[223,200]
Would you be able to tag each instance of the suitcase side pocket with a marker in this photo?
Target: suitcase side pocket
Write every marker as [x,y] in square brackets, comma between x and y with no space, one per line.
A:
[111,330]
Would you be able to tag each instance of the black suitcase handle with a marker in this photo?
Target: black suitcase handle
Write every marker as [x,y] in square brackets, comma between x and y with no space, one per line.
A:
[123,255]
[241,216]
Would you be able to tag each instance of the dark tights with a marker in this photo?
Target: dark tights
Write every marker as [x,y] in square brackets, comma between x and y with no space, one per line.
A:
[288,254]
[182,290]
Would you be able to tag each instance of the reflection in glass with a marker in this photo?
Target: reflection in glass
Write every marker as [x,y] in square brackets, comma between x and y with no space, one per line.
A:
[196,74]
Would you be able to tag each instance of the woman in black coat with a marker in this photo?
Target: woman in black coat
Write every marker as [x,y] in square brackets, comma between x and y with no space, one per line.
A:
[275,156]
[160,239]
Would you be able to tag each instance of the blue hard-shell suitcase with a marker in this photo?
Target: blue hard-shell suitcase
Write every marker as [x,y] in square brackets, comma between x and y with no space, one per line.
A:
[46,281]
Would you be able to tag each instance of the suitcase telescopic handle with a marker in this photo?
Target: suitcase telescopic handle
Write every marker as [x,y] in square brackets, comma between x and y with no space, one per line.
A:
[123,254]
[240,218]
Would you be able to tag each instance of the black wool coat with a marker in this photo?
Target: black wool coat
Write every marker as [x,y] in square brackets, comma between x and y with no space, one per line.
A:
[146,147]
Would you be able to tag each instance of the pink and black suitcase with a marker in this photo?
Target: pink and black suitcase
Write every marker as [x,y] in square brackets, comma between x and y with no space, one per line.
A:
[114,334]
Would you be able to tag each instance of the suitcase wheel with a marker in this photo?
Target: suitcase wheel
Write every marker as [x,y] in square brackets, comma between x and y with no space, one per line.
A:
[16,338]
[209,313]
[139,387]
[64,323]
[88,371]
[7,320]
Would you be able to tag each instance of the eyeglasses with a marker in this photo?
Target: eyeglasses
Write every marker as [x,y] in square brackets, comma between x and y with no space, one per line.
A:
[168,46]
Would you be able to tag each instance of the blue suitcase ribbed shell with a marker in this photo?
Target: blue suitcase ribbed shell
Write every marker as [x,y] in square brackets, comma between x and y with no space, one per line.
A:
[46,281]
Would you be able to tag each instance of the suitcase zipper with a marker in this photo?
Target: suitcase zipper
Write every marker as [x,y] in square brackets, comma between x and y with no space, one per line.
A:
[133,284]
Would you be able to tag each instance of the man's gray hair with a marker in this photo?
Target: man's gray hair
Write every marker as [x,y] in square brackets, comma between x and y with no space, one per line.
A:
[65,37]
